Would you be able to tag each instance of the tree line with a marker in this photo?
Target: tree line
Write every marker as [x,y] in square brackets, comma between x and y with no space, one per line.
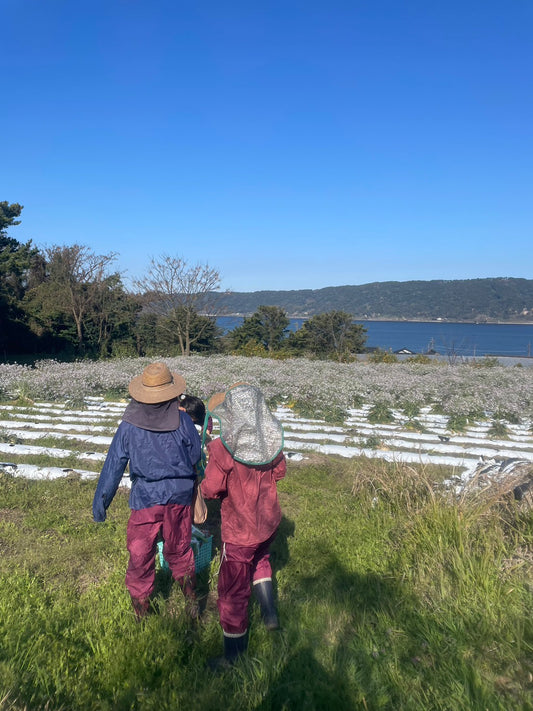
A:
[68,302]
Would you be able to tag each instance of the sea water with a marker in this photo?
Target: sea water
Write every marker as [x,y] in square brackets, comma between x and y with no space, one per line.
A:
[445,338]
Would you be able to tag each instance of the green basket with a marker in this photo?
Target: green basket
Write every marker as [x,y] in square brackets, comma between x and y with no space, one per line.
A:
[202,547]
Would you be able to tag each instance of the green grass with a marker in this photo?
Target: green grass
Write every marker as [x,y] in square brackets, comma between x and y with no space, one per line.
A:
[45,460]
[78,444]
[390,597]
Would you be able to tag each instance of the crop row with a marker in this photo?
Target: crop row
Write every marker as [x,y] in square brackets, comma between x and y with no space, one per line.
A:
[319,388]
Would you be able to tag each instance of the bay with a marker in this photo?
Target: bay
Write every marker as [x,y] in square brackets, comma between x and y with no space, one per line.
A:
[445,338]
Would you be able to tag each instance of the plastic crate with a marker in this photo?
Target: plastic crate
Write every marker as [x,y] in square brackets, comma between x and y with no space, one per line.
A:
[202,547]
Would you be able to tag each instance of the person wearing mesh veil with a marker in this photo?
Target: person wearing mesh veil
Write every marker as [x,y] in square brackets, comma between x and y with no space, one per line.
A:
[244,465]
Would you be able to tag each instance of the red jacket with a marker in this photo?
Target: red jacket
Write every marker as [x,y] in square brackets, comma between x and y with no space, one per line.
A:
[250,509]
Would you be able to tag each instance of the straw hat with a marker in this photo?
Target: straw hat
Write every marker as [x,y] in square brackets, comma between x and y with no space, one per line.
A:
[217,398]
[156,384]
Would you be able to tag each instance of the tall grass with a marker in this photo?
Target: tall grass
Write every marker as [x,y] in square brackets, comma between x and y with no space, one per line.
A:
[391,596]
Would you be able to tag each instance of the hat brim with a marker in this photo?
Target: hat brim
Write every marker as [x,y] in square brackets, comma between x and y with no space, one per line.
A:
[215,400]
[158,393]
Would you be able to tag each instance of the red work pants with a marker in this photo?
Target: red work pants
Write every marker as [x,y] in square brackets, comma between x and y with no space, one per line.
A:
[239,567]
[172,523]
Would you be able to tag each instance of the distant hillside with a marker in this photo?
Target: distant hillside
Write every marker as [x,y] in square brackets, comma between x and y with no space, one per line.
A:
[498,299]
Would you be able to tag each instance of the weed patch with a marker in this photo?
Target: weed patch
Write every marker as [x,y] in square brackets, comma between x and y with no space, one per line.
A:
[390,596]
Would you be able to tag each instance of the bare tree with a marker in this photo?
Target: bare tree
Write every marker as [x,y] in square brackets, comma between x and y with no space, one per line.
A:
[178,293]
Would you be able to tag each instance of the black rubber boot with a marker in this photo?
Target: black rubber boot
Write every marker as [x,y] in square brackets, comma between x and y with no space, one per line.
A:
[233,648]
[265,596]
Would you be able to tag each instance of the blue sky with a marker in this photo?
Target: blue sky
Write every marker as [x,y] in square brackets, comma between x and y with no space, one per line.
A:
[290,145]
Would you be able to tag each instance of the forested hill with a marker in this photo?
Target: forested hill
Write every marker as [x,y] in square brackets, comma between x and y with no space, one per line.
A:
[498,299]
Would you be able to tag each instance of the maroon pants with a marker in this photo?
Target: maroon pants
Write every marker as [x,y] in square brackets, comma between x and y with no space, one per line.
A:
[172,523]
[240,566]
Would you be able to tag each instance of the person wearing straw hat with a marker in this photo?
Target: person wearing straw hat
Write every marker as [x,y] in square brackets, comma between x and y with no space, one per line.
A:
[244,465]
[162,446]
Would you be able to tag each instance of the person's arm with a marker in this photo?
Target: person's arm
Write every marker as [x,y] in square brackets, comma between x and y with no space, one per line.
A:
[191,438]
[214,483]
[111,474]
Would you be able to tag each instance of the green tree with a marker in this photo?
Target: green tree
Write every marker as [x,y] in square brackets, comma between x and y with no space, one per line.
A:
[73,294]
[113,318]
[266,327]
[329,335]
[146,333]
[21,266]
[8,215]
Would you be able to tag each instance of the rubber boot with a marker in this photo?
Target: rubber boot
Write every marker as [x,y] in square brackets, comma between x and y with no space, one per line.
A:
[233,648]
[141,607]
[265,596]
[188,588]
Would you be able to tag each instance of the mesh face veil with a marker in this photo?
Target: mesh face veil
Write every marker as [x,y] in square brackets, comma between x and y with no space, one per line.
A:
[248,429]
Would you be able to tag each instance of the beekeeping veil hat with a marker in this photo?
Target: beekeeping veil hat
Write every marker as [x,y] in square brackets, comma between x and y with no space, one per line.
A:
[248,429]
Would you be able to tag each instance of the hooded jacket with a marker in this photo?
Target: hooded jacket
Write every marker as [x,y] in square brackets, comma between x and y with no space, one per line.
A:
[162,466]
[250,510]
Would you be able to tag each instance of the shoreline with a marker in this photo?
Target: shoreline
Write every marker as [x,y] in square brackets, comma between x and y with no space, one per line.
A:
[403,320]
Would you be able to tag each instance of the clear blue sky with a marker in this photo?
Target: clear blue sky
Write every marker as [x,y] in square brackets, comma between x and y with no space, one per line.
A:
[289,144]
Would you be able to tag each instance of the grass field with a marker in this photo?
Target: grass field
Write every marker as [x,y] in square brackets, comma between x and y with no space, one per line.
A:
[390,597]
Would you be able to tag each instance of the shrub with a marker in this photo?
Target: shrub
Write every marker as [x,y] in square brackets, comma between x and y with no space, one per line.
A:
[410,409]
[379,356]
[372,442]
[380,413]
[487,362]
[457,423]
[415,425]
[511,417]
[420,358]
[498,430]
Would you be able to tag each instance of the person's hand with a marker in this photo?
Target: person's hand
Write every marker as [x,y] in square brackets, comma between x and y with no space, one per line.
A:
[99,512]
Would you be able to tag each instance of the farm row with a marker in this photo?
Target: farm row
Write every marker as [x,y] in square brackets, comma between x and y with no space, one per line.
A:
[48,440]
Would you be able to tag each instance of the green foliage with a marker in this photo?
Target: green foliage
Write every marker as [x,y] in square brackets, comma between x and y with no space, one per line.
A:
[267,327]
[457,423]
[510,417]
[454,300]
[182,331]
[334,415]
[415,425]
[421,359]
[8,215]
[251,349]
[372,442]
[20,265]
[380,356]
[331,335]
[487,362]
[79,299]
[380,413]
[498,430]
[310,409]
[384,592]
[410,409]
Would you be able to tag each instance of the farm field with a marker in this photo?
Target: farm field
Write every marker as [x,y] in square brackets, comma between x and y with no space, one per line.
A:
[403,578]
[29,432]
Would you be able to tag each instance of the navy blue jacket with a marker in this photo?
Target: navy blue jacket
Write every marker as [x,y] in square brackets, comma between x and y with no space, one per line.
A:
[162,466]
